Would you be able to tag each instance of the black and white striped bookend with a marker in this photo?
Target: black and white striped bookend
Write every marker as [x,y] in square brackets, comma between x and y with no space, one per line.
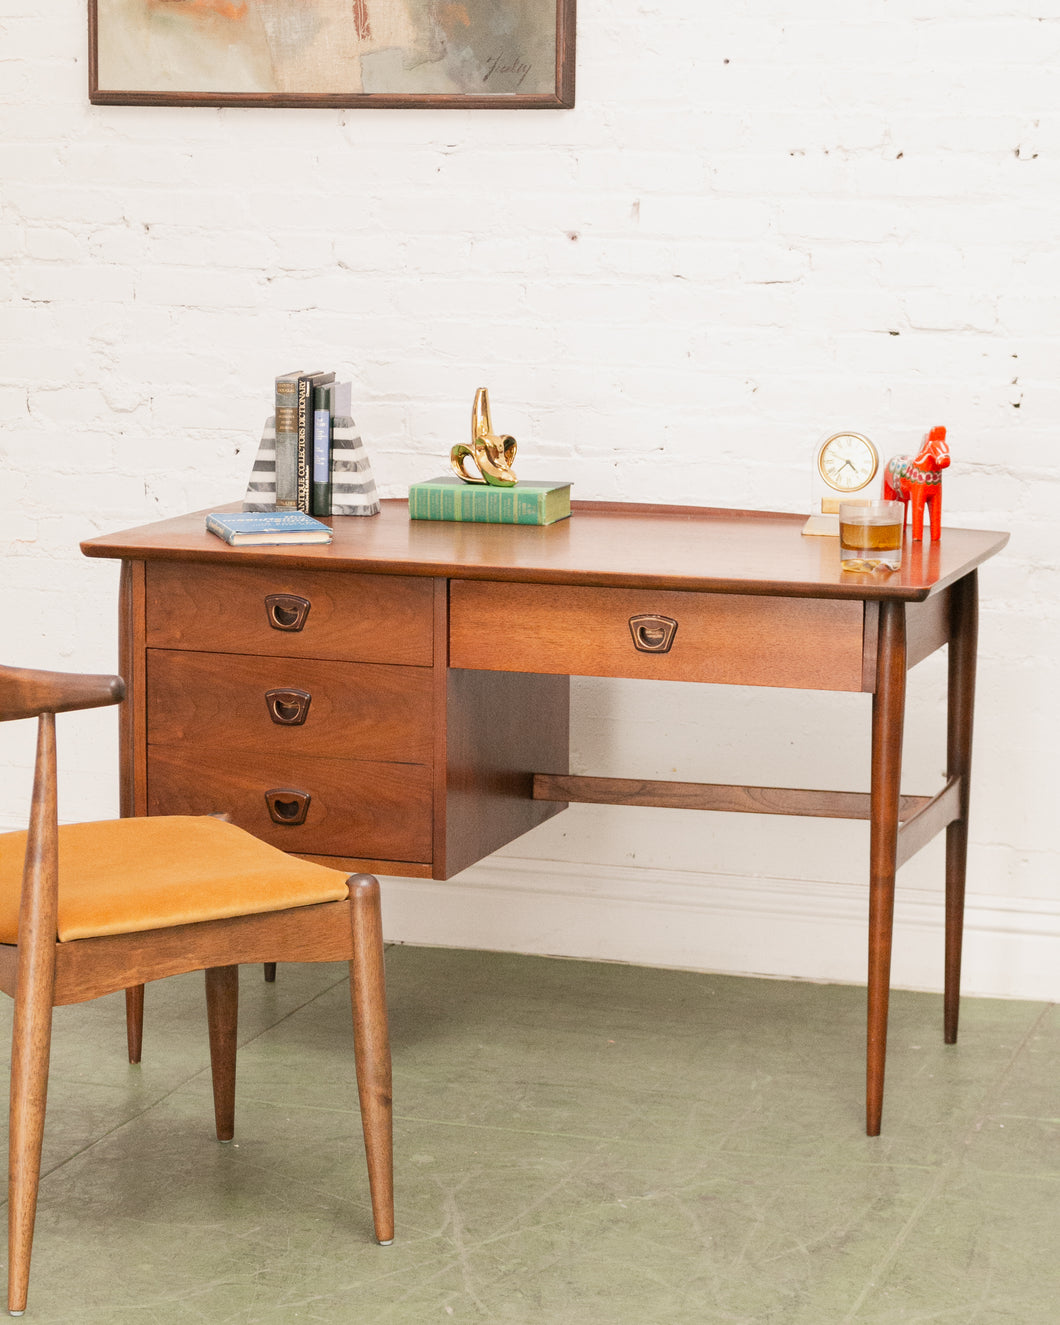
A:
[352,485]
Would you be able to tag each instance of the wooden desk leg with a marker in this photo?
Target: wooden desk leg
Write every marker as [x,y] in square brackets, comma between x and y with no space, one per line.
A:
[888,715]
[964,630]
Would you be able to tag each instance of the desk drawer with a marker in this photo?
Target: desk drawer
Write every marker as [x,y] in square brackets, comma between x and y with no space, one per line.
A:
[289,705]
[355,808]
[290,612]
[729,639]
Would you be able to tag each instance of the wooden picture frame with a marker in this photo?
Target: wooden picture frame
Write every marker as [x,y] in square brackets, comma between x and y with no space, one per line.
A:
[468,55]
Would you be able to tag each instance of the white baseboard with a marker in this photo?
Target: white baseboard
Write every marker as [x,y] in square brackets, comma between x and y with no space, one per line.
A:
[734,924]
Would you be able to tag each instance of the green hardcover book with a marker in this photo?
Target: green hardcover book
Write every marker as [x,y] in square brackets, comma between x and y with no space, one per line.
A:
[531,501]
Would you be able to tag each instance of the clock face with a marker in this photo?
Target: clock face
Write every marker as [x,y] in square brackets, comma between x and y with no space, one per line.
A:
[847,461]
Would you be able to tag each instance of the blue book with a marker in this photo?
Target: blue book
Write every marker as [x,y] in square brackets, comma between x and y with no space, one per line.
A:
[320,475]
[267,527]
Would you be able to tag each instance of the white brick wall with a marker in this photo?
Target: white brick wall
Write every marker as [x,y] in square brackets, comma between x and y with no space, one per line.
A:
[760,222]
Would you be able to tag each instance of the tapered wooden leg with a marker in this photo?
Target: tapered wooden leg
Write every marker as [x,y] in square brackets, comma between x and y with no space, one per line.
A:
[372,1049]
[222,1008]
[134,1021]
[964,629]
[32,1029]
[270,972]
[888,715]
[30,1052]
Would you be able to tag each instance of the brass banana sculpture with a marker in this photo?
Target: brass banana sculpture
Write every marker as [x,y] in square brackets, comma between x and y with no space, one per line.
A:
[489,458]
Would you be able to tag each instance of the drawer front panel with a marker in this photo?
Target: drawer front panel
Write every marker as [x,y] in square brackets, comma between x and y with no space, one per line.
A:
[355,808]
[728,639]
[258,609]
[289,705]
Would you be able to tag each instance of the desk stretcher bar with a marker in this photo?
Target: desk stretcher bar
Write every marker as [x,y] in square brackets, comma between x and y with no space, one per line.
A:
[920,817]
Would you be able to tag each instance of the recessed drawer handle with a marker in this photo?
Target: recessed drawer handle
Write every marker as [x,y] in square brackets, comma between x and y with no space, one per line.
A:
[652,634]
[286,611]
[286,806]
[288,708]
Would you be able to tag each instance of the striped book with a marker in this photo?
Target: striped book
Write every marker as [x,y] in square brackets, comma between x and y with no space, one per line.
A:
[531,501]
[352,485]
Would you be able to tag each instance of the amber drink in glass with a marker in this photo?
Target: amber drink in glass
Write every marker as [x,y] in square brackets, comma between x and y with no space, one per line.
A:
[870,535]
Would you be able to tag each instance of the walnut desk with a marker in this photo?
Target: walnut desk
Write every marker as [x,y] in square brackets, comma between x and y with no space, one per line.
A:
[397,701]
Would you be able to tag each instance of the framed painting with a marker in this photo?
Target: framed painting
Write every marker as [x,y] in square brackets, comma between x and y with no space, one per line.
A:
[347,53]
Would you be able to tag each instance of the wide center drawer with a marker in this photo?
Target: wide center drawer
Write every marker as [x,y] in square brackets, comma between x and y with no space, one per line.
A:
[293,705]
[307,613]
[728,639]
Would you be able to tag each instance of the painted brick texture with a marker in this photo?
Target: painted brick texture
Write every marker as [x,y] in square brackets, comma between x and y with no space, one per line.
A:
[761,222]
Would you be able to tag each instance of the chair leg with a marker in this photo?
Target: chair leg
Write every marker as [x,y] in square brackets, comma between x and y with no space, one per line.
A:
[222,1009]
[31,1036]
[30,1053]
[134,1015]
[960,710]
[372,1049]
[134,1021]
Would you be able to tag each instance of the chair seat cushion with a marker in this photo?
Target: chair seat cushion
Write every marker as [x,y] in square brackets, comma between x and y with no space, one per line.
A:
[123,875]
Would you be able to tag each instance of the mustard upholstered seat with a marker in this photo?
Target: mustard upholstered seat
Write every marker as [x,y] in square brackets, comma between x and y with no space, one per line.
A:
[92,908]
[121,875]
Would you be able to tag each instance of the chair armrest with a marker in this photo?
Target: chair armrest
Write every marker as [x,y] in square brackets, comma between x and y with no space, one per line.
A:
[25,693]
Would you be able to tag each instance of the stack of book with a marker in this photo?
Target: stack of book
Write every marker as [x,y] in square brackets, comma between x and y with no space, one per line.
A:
[311,458]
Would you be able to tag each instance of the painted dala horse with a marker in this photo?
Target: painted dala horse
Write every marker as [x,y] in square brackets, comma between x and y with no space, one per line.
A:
[919,479]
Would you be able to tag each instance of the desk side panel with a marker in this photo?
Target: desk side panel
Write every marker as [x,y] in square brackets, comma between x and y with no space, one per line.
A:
[132,662]
[927,626]
[501,729]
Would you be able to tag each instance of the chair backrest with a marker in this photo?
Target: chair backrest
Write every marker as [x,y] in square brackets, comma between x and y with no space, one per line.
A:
[25,693]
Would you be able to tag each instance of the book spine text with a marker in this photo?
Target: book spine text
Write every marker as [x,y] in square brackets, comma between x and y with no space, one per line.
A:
[287,443]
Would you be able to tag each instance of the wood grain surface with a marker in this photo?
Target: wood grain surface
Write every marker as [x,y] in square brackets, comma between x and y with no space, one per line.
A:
[733,639]
[355,710]
[363,618]
[720,551]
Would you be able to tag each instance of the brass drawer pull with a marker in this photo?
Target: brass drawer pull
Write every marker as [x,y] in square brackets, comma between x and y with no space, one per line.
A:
[286,806]
[652,634]
[286,611]
[288,708]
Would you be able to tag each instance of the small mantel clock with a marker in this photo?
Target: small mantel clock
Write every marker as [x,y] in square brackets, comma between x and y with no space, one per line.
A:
[845,464]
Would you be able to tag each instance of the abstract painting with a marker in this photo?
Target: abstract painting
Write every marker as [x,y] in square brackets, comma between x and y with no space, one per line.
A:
[466,53]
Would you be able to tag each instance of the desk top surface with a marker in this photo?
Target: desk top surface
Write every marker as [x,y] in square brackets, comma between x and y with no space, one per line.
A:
[691,548]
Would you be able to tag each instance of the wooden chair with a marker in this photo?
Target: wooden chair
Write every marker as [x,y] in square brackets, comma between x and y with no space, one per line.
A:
[88,909]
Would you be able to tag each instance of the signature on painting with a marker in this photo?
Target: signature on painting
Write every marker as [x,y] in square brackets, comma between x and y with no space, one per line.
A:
[505,64]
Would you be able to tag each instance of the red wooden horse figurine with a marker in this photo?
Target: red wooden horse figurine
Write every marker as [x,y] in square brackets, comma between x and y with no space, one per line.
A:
[919,479]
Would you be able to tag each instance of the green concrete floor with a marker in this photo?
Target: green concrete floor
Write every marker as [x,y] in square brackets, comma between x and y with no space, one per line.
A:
[575,1143]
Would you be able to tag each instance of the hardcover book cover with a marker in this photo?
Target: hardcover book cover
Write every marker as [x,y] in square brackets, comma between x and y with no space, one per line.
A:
[307,383]
[320,470]
[267,527]
[285,460]
[531,501]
